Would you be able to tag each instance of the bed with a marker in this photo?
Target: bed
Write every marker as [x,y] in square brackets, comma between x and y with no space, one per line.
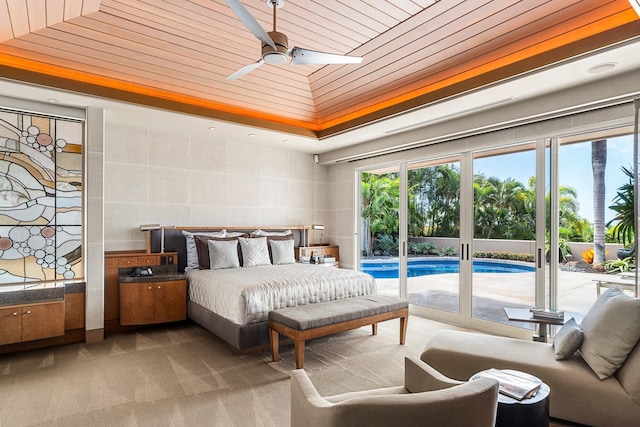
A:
[233,302]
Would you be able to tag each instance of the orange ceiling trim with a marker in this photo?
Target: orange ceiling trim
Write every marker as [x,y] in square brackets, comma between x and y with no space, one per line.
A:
[611,22]
[54,71]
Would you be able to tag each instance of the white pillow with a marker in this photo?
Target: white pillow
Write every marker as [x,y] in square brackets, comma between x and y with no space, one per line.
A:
[235,234]
[282,251]
[192,251]
[611,330]
[261,233]
[223,254]
[254,251]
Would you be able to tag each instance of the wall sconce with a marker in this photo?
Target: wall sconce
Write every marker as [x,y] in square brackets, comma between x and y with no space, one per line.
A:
[318,227]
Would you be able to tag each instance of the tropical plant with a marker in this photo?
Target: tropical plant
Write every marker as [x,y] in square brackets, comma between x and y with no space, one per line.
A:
[620,265]
[379,210]
[588,255]
[448,251]
[386,245]
[623,205]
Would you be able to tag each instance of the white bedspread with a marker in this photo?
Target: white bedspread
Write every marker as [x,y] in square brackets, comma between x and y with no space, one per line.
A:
[246,295]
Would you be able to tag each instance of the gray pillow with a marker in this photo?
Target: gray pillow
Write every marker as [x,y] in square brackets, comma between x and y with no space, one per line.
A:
[611,329]
[567,340]
[282,251]
[192,251]
[223,254]
[254,251]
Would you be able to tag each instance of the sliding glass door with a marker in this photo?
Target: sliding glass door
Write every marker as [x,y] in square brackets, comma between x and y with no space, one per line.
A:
[379,243]
[433,230]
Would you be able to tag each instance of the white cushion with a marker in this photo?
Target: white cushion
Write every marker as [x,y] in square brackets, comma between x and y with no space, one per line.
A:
[223,254]
[611,329]
[567,340]
[282,251]
[254,251]
[192,251]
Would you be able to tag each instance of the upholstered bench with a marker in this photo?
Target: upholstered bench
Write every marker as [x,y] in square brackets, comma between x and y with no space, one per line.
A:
[309,321]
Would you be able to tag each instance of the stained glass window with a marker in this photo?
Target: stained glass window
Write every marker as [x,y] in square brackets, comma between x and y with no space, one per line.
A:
[40,198]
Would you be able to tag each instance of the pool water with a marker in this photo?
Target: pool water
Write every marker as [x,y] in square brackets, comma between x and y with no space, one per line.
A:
[425,267]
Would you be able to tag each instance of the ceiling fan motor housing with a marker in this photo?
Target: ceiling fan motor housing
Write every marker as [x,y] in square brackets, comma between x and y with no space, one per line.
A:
[280,54]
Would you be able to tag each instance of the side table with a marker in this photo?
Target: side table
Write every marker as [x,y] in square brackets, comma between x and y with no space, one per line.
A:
[529,412]
[524,315]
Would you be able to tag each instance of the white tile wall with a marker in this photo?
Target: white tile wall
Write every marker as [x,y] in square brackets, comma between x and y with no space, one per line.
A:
[175,179]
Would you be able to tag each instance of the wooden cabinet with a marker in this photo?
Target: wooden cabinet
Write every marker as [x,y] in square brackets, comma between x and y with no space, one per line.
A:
[28,322]
[115,263]
[147,302]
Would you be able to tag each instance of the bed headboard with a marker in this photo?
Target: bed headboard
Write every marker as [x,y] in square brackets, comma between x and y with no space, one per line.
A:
[174,240]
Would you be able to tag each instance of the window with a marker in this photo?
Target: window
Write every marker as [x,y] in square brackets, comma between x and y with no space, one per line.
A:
[41,187]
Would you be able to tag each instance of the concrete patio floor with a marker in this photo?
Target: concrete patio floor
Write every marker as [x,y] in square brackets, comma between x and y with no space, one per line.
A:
[492,292]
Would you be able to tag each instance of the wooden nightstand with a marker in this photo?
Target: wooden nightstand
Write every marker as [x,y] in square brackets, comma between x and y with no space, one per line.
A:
[153,299]
[321,250]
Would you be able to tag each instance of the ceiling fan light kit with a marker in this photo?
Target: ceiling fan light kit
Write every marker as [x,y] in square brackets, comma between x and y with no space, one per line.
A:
[275,45]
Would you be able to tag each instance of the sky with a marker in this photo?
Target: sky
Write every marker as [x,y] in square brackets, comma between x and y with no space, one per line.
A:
[575,170]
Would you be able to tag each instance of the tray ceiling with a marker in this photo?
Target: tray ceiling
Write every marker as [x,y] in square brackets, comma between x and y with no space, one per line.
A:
[176,54]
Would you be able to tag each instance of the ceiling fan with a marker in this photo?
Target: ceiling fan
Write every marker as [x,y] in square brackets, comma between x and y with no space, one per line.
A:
[275,45]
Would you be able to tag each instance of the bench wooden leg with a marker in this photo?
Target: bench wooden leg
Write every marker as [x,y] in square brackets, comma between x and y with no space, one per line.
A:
[299,352]
[273,341]
[374,329]
[403,329]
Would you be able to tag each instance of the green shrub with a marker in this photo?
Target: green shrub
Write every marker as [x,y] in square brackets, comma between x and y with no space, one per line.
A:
[504,255]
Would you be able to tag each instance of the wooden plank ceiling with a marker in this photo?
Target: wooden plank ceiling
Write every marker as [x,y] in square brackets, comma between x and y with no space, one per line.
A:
[176,54]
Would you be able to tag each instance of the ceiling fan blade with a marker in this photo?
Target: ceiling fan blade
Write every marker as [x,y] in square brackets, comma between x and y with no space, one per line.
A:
[245,70]
[300,56]
[250,22]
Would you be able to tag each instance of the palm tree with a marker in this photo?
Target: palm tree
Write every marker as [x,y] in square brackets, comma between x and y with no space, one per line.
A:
[598,164]
[624,227]
[379,210]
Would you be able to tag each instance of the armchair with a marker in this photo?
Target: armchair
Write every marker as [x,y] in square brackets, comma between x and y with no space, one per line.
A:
[427,398]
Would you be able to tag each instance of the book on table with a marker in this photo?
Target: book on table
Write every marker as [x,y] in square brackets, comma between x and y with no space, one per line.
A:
[515,384]
[542,313]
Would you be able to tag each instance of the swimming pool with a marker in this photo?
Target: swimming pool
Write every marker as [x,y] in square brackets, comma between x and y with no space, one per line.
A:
[425,266]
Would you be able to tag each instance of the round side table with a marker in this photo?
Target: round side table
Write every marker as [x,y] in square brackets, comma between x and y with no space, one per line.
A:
[530,412]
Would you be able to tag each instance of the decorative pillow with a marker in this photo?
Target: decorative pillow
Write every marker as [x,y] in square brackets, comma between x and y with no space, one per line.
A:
[254,251]
[202,245]
[236,234]
[261,233]
[192,251]
[223,254]
[282,251]
[567,340]
[611,329]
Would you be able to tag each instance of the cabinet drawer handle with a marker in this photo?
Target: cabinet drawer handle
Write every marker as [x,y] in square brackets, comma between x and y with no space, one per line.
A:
[14,313]
[159,287]
[150,287]
[28,311]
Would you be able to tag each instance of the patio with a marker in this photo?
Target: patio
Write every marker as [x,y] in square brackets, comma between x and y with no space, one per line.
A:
[494,291]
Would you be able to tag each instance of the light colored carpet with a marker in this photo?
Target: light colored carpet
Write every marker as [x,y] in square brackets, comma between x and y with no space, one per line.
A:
[181,375]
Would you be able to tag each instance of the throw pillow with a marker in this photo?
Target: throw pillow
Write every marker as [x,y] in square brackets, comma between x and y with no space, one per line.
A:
[192,251]
[262,233]
[202,245]
[254,251]
[611,329]
[567,340]
[282,251]
[223,254]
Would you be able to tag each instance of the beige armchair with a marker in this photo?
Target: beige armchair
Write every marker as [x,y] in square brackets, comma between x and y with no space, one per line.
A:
[427,398]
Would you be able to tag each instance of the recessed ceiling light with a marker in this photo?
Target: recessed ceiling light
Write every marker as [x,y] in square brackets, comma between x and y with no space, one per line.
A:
[602,68]
[53,100]
[252,135]
[285,140]
[212,128]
